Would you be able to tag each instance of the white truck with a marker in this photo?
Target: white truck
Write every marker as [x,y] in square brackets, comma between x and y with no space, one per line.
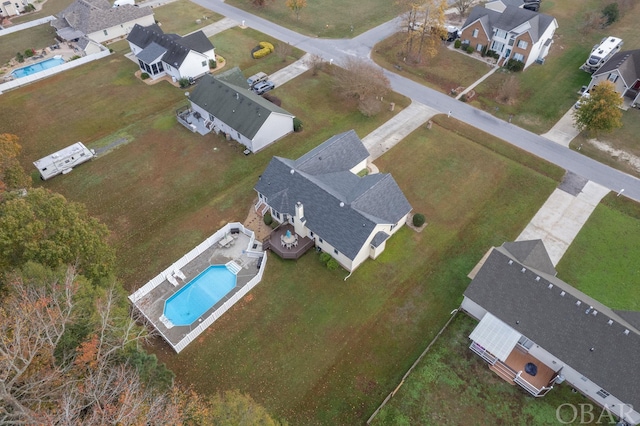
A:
[601,53]
[63,161]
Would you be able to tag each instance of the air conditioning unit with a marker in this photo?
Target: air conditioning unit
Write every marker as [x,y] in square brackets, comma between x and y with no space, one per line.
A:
[540,61]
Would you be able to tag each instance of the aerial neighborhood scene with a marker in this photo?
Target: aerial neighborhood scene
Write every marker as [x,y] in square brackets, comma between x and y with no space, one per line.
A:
[250,212]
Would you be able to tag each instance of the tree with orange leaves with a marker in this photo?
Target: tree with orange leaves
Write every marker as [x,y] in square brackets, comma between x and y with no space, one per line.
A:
[12,176]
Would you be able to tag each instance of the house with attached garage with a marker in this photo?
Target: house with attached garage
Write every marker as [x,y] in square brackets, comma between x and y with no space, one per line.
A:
[322,201]
[13,8]
[623,70]
[537,331]
[224,104]
[99,20]
[513,33]
[161,54]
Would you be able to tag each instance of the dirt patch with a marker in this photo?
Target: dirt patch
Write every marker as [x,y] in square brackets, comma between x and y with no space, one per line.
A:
[618,154]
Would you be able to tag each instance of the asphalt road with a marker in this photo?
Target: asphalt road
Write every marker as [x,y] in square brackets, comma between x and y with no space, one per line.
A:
[361,46]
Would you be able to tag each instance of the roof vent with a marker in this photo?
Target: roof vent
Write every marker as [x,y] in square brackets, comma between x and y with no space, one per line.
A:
[510,262]
[292,171]
[523,270]
[592,349]
[237,95]
[594,313]
[626,332]
[538,279]
[610,322]
[363,225]
[588,309]
[550,286]
[341,204]
[578,303]
[562,293]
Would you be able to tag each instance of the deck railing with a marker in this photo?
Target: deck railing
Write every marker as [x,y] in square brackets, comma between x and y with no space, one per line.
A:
[483,353]
[529,387]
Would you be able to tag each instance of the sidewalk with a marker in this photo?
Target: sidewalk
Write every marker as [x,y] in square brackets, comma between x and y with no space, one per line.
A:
[397,128]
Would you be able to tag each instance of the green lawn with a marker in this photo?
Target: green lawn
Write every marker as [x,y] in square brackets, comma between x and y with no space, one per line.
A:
[50,7]
[444,72]
[33,38]
[603,259]
[452,385]
[327,19]
[180,17]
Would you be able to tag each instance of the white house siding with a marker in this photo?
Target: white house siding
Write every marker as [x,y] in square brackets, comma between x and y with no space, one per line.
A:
[120,30]
[619,84]
[92,48]
[360,166]
[365,250]
[192,65]
[374,252]
[274,128]
[538,50]
[343,260]
[472,308]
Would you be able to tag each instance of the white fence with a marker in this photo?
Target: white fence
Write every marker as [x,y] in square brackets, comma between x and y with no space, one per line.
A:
[24,26]
[52,71]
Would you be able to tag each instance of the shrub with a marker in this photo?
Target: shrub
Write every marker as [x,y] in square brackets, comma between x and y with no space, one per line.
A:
[19,57]
[29,53]
[266,45]
[268,220]
[297,125]
[74,57]
[184,82]
[262,50]
[212,63]
[29,8]
[514,65]
[470,49]
[332,264]
[418,220]
[464,98]
[457,44]
[325,258]
[611,13]
[144,76]
[273,99]
[260,53]
[484,51]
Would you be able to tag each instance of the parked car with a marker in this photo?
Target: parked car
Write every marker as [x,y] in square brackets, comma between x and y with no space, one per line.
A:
[263,87]
[256,78]
[584,97]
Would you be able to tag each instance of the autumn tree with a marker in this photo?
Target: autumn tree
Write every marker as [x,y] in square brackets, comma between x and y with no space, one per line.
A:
[44,227]
[296,6]
[600,112]
[424,21]
[364,82]
[12,175]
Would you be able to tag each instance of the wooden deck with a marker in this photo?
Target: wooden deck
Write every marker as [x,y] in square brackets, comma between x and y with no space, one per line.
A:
[274,244]
[517,360]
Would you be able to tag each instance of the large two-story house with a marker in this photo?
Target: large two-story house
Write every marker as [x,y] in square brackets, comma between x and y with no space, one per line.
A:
[513,33]
[321,195]
[537,331]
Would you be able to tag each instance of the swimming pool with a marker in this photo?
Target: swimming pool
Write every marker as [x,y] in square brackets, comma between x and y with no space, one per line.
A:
[37,67]
[199,295]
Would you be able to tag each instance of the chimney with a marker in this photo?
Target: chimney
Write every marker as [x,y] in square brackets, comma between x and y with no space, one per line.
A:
[300,211]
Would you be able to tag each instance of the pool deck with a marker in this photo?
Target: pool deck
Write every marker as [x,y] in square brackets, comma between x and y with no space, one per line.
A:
[152,303]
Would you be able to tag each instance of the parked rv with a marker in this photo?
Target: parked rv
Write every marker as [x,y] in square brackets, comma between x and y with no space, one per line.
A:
[63,161]
[601,53]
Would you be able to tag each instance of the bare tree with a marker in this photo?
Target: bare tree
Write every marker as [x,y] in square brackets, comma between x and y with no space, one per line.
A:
[283,50]
[315,63]
[509,90]
[363,81]
[592,20]
[463,6]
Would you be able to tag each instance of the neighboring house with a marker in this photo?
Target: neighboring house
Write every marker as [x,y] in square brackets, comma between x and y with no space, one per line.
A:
[13,8]
[528,316]
[501,5]
[623,70]
[99,20]
[225,104]
[345,215]
[89,47]
[161,54]
[514,33]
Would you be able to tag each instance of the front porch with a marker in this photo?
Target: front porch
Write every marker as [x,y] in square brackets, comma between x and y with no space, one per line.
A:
[274,243]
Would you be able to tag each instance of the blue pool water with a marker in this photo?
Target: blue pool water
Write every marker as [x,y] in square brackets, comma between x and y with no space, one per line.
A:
[37,67]
[199,295]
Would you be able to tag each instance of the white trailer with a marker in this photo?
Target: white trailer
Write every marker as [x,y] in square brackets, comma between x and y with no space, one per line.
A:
[601,53]
[63,161]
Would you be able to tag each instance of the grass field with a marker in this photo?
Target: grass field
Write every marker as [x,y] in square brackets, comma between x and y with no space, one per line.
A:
[50,7]
[180,17]
[327,19]
[32,38]
[452,385]
[603,259]
[548,91]
[444,72]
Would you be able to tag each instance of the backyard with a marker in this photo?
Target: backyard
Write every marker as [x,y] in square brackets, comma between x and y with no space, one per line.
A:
[182,17]
[36,38]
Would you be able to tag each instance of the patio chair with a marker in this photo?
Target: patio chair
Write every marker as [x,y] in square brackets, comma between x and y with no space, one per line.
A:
[172,280]
[178,274]
[295,243]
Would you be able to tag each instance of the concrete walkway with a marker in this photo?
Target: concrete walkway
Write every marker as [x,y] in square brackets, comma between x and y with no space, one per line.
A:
[398,127]
[563,214]
[564,130]
[218,27]
[480,80]
[290,71]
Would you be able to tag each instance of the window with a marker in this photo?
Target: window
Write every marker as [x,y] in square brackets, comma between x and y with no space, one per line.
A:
[501,33]
[518,57]
[320,239]
[475,33]
[204,63]
[479,47]
[105,32]
[311,234]
[522,44]
[160,67]
[603,393]
[336,251]
[154,69]
[613,77]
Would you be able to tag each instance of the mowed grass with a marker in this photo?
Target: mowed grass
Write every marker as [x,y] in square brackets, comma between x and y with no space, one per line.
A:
[446,71]
[180,17]
[316,349]
[235,45]
[50,7]
[36,38]
[452,385]
[547,91]
[603,259]
[327,19]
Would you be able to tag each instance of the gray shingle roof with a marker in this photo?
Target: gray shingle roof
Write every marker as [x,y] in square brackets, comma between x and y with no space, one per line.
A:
[339,206]
[511,18]
[379,238]
[151,53]
[627,63]
[90,16]
[177,48]
[556,323]
[238,107]
[533,254]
